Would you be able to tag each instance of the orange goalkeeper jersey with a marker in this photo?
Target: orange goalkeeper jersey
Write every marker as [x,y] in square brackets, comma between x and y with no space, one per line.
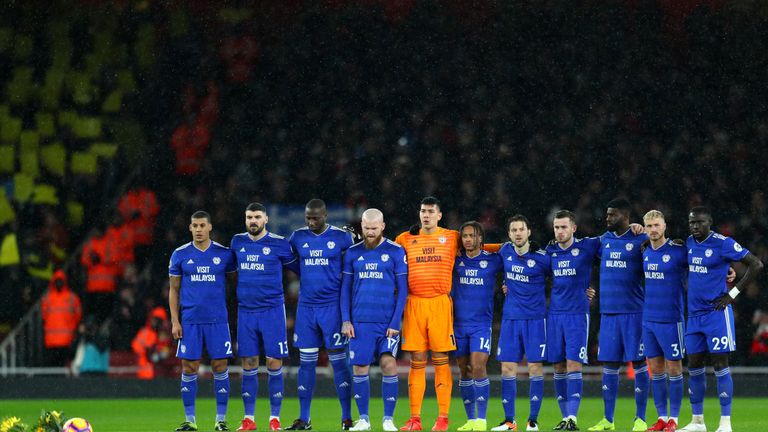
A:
[430,261]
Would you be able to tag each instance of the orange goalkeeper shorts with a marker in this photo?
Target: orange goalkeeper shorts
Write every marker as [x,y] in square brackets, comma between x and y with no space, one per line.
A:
[428,324]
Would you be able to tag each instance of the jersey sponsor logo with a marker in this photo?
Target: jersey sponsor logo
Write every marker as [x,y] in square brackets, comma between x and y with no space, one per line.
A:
[331,245]
[665,258]
[216,260]
[737,247]
[531,263]
[708,253]
[266,250]
[190,261]
[629,246]
[483,264]
[575,252]
[442,239]
[384,257]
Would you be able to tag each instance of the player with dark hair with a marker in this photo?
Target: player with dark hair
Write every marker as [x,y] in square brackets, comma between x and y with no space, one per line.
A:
[320,248]
[199,273]
[621,312]
[710,326]
[261,328]
[374,288]
[524,323]
[474,282]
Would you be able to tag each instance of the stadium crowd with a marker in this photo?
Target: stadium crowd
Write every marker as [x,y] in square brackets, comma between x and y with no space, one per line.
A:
[525,110]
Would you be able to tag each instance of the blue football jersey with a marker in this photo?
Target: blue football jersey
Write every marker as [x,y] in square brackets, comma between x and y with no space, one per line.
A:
[708,264]
[203,282]
[474,281]
[621,273]
[665,271]
[571,273]
[260,270]
[377,277]
[320,260]
[525,276]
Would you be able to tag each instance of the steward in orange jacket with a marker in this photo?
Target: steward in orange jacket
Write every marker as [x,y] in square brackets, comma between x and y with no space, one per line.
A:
[61,313]
[152,343]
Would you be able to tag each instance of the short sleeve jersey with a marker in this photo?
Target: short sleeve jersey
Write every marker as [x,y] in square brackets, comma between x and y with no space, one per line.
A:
[320,260]
[203,288]
[260,270]
[621,273]
[525,276]
[474,282]
[665,272]
[708,264]
[430,261]
[571,273]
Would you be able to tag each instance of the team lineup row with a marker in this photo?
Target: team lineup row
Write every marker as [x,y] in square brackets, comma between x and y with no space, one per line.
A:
[441,283]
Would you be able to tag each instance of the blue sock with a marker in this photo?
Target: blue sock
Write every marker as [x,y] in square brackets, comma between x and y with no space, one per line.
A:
[467,388]
[482,393]
[306,382]
[221,387]
[536,394]
[250,390]
[362,389]
[188,395]
[508,395]
[575,387]
[725,390]
[697,386]
[561,392]
[641,390]
[675,395]
[276,386]
[659,389]
[610,392]
[342,376]
[389,394]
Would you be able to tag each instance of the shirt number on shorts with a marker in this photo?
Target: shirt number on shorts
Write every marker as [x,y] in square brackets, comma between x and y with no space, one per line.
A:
[543,348]
[485,344]
[675,350]
[283,347]
[720,341]
[228,346]
[583,353]
[641,350]
[338,339]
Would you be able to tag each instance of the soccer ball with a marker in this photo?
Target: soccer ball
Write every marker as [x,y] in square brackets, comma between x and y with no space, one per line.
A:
[77,425]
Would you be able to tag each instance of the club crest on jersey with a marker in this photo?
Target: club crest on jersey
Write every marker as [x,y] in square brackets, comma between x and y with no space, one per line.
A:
[331,245]
[708,253]
[351,354]
[216,260]
[384,257]
[483,264]
[531,263]
[183,348]
[629,246]
[665,258]
[737,247]
[266,250]
[441,239]
[575,252]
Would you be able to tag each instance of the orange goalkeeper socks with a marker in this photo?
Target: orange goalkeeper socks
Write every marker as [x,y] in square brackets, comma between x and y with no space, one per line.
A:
[417,383]
[443,384]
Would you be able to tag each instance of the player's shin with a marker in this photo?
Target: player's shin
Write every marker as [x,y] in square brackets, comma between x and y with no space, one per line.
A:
[342,379]
[361,387]
[575,388]
[482,393]
[443,384]
[561,393]
[306,382]
[641,390]
[188,395]
[417,383]
[508,395]
[389,384]
[276,387]
[659,390]
[250,390]
[467,389]
[610,391]
[725,391]
[675,395]
[221,387]
[536,394]
[697,386]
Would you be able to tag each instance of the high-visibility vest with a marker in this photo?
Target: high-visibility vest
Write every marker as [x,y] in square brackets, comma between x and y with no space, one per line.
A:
[61,312]
[101,274]
[145,339]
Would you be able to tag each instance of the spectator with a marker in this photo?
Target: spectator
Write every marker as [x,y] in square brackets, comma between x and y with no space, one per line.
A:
[61,313]
[152,343]
[92,354]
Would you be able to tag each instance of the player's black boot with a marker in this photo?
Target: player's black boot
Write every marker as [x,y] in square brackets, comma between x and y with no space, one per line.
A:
[561,425]
[346,424]
[571,426]
[221,426]
[300,424]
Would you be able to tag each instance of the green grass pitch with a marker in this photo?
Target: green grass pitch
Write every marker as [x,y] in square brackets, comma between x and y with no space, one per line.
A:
[118,415]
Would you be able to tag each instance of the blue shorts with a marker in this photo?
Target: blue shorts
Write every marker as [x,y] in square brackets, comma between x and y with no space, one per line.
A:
[621,338]
[472,338]
[712,332]
[263,328]
[318,326]
[370,342]
[215,338]
[664,338]
[518,337]
[567,337]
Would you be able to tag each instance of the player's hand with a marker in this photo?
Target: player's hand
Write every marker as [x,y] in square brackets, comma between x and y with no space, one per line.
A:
[414,229]
[347,329]
[176,331]
[392,333]
[644,245]
[731,275]
[590,293]
[351,229]
[637,228]
[723,301]
[504,289]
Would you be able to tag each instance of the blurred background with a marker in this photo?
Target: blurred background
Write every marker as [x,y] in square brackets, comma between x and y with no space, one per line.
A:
[118,119]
